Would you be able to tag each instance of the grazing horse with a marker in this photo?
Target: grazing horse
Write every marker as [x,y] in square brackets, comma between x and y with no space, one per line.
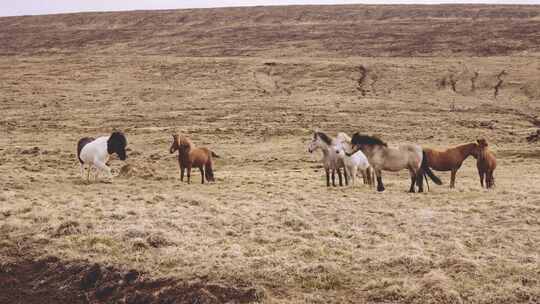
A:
[96,152]
[189,156]
[449,159]
[330,160]
[486,163]
[381,157]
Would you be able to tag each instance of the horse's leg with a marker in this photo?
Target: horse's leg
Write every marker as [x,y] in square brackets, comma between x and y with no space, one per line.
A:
[101,166]
[352,174]
[202,174]
[340,177]
[413,180]
[380,186]
[88,173]
[489,179]
[189,173]
[327,177]
[370,176]
[345,172]
[363,172]
[182,168]
[334,177]
[453,178]
[420,180]
[481,173]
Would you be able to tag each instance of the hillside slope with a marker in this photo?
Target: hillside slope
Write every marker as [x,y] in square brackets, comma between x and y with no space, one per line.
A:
[348,30]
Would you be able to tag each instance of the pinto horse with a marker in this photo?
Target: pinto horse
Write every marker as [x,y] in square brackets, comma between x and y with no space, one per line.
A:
[449,159]
[189,156]
[486,163]
[381,157]
[96,152]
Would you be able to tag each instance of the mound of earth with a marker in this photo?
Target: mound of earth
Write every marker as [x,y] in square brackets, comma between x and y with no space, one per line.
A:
[50,280]
[129,171]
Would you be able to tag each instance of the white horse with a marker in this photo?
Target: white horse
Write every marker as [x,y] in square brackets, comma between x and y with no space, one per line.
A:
[330,160]
[96,152]
[355,162]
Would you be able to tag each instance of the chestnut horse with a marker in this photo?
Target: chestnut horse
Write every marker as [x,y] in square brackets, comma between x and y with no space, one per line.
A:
[449,159]
[486,163]
[189,156]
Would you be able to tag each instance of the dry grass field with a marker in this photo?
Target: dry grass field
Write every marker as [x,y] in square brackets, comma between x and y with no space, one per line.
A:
[252,84]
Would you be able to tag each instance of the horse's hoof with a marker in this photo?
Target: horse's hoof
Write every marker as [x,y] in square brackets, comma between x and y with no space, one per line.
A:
[380,189]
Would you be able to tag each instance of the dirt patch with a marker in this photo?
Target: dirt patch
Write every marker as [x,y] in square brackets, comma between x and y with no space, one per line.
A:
[51,280]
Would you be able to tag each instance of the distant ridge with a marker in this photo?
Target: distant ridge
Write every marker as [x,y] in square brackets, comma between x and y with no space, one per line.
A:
[315,30]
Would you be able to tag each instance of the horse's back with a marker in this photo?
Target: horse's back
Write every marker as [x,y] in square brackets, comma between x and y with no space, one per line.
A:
[201,156]
[94,149]
[414,154]
[441,160]
[360,160]
[81,144]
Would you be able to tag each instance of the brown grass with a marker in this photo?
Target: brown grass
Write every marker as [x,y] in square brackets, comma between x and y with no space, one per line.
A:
[251,84]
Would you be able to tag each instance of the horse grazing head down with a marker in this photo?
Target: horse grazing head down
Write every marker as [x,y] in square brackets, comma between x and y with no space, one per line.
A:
[117,144]
[359,140]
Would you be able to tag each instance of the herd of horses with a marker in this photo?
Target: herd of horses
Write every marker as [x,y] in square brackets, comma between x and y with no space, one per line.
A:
[370,155]
[360,154]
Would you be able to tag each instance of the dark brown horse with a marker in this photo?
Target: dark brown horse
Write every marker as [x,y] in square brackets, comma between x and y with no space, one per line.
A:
[486,163]
[189,156]
[449,159]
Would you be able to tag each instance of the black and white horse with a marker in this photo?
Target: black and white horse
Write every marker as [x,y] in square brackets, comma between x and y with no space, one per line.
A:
[96,152]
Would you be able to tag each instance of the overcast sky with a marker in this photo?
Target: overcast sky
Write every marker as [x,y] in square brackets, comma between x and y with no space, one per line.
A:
[35,7]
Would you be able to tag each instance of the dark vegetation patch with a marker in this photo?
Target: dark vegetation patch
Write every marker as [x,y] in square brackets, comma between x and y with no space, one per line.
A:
[50,280]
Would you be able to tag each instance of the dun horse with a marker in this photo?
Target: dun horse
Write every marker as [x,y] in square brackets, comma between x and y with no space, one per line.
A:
[189,156]
[96,152]
[381,157]
[330,160]
[449,159]
[486,163]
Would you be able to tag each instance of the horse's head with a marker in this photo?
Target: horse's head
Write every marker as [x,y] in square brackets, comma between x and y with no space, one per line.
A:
[479,148]
[341,149]
[319,141]
[117,144]
[174,145]
[482,143]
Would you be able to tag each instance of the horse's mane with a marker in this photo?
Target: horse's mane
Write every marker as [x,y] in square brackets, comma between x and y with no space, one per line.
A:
[327,140]
[184,141]
[342,136]
[360,139]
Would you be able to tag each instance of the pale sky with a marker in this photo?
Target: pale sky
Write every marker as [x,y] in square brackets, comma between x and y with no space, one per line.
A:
[37,7]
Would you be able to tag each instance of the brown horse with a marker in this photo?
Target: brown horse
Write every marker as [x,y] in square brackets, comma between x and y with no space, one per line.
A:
[486,163]
[189,156]
[449,159]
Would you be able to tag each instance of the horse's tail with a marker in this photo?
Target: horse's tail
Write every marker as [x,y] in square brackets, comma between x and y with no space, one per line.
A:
[427,183]
[80,145]
[214,154]
[208,171]
[427,170]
